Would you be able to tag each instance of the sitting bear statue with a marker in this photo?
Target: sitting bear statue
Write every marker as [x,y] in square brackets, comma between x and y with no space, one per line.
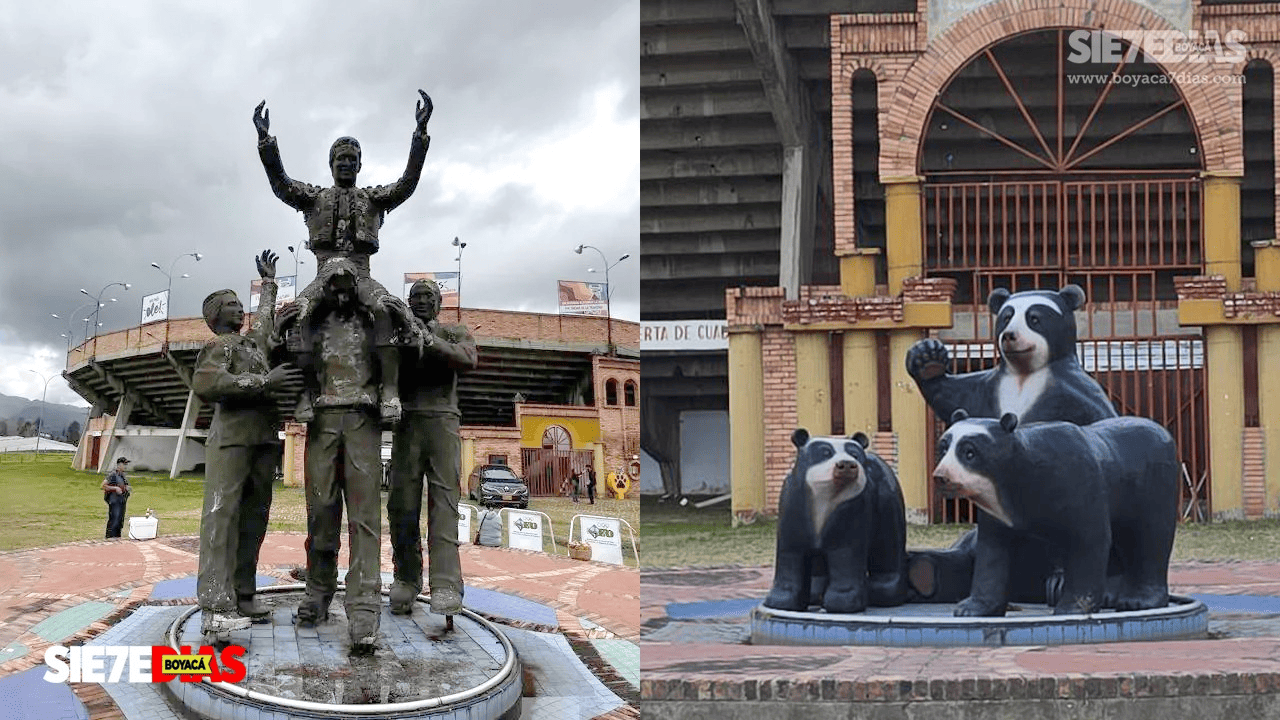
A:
[1104,498]
[841,516]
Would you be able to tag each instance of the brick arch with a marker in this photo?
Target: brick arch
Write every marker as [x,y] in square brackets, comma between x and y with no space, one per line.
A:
[1214,109]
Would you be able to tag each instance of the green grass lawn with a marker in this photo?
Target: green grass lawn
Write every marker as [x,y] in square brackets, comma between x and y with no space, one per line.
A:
[48,503]
[687,537]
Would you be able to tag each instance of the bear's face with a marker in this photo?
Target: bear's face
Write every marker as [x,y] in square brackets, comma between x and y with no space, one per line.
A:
[833,470]
[973,453]
[1036,327]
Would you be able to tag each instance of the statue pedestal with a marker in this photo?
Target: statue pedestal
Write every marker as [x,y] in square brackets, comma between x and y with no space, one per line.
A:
[925,624]
[417,671]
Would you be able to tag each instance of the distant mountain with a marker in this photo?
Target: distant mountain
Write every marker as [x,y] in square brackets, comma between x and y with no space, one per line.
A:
[14,411]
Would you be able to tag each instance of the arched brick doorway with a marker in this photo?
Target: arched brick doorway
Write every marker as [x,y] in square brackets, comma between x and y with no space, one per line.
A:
[1035,179]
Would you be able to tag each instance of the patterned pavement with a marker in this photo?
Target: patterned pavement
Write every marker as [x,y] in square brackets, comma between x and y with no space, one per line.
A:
[695,626]
[96,592]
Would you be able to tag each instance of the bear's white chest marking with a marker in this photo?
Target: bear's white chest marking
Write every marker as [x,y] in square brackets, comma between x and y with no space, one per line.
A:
[823,496]
[1018,393]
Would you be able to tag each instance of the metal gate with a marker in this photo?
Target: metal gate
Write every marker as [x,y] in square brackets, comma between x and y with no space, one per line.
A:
[546,470]
[1123,241]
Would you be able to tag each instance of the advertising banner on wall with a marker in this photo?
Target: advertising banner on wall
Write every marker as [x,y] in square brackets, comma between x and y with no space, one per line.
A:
[604,535]
[286,290]
[583,298]
[155,307]
[524,530]
[448,282]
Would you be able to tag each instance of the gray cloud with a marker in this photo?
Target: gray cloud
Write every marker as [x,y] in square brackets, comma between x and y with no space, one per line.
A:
[130,141]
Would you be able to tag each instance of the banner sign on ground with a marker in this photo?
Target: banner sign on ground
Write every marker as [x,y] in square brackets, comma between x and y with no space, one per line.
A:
[286,290]
[448,282]
[605,537]
[464,524]
[584,298]
[155,307]
[524,530]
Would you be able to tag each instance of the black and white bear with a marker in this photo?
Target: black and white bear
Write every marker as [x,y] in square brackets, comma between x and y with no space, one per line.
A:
[840,516]
[1104,497]
[1039,379]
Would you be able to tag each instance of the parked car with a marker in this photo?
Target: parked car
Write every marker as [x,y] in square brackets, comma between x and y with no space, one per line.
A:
[497,485]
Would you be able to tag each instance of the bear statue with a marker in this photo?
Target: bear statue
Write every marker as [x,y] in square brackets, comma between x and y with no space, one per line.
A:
[1039,379]
[1104,497]
[841,516]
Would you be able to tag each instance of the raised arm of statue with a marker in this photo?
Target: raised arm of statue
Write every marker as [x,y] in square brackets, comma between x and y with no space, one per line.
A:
[297,195]
[388,197]
[264,320]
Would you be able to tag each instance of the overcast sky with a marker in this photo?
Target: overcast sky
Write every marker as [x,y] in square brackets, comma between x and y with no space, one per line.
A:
[128,139]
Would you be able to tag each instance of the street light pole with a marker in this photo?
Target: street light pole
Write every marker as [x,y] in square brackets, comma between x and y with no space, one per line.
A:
[461,246]
[40,417]
[296,263]
[168,290]
[608,289]
[71,316]
[97,304]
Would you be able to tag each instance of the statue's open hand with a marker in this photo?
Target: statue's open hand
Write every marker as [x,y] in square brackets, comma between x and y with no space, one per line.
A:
[423,113]
[282,375]
[267,264]
[928,359]
[262,119]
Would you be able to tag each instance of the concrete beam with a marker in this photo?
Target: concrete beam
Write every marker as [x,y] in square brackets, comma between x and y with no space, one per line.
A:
[730,268]
[692,163]
[693,363]
[667,193]
[708,133]
[711,218]
[86,392]
[679,104]
[124,389]
[183,371]
[739,241]
[783,88]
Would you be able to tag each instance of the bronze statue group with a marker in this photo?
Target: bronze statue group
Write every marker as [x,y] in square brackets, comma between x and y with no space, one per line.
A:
[364,358]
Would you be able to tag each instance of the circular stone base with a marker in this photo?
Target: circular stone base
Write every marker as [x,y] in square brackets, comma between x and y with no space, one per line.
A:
[417,671]
[925,624]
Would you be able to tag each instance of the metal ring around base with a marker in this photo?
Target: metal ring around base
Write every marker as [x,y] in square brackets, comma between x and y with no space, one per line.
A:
[369,710]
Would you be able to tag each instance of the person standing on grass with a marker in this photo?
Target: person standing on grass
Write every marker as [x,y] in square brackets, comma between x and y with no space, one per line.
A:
[591,484]
[115,491]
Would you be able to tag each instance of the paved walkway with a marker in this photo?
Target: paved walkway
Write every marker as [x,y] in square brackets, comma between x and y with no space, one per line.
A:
[69,594]
[695,623]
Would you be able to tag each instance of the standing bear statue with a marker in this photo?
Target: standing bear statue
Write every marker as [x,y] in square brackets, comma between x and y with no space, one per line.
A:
[841,517]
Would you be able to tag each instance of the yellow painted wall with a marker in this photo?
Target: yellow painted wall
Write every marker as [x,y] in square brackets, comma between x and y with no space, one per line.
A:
[583,431]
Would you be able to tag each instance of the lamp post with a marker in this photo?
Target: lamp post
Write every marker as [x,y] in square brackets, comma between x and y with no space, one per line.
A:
[169,288]
[71,316]
[608,289]
[296,263]
[40,417]
[461,246]
[97,301]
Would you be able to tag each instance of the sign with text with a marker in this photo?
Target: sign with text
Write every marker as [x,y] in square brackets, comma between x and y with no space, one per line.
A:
[684,335]
[448,282]
[604,535]
[584,298]
[524,530]
[286,290]
[155,307]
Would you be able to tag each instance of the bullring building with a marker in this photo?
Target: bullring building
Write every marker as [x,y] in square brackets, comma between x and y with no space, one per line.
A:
[551,396]
[831,181]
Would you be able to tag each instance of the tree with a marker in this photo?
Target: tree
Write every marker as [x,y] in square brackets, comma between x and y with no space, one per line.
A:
[26,429]
[73,432]
[4,428]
